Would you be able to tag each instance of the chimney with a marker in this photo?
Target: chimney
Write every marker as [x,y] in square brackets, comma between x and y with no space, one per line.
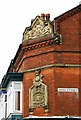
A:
[43,16]
[47,17]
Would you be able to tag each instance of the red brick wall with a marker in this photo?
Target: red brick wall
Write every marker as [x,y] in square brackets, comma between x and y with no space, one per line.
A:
[39,59]
[67,103]
[49,81]
[58,103]
[69,29]
[56,77]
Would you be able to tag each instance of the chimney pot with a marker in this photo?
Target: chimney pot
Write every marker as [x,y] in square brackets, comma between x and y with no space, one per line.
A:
[47,17]
[43,16]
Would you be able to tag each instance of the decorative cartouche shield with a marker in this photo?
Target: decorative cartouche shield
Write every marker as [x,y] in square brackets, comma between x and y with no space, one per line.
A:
[38,93]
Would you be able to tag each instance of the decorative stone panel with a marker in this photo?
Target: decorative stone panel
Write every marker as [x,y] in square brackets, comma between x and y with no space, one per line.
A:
[38,96]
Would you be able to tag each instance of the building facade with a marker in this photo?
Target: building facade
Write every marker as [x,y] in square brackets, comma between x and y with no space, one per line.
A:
[44,77]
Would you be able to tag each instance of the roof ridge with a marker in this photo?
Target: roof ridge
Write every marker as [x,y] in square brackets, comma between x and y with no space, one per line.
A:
[69,13]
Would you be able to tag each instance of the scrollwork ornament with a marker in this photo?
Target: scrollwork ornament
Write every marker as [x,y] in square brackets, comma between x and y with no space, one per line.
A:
[38,92]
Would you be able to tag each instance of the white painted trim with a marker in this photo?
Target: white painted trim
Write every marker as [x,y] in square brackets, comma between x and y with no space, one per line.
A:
[17,111]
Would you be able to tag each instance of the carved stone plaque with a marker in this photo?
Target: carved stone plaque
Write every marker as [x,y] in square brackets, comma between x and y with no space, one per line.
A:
[38,28]
[38,93]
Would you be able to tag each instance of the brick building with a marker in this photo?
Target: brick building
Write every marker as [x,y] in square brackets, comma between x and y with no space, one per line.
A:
[43,79]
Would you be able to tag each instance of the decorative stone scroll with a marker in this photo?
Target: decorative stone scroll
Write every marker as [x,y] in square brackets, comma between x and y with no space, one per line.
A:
[38,93]
[40,26]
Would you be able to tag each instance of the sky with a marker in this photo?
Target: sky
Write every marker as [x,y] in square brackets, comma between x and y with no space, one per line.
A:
[16,15]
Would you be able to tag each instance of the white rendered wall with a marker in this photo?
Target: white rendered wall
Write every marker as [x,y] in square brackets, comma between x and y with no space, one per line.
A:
[9,99]
[2,106]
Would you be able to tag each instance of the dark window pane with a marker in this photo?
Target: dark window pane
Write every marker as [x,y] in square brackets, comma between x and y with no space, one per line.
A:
[17,100]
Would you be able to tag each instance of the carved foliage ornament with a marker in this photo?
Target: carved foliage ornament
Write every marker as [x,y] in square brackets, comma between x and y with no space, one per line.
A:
[38,28]
[38,93]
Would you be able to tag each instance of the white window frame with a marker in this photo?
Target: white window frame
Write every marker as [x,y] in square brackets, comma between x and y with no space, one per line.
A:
[2,105]
[20,111]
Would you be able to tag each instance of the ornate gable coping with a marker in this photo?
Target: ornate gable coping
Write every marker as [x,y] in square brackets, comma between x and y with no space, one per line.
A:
[40,26]
[37,18]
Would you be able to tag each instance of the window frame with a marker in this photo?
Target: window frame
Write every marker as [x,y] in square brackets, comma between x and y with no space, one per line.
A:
[17,90]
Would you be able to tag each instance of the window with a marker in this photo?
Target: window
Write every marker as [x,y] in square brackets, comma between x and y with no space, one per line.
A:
[17,86]
[5,109]
[17,96]
[14,97]
[5,98]
[17,100]
[9,96]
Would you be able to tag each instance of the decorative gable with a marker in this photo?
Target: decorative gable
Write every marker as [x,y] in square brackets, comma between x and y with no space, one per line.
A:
[40,26]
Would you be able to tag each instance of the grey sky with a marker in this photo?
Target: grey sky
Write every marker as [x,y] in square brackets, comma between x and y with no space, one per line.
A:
[16,15]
